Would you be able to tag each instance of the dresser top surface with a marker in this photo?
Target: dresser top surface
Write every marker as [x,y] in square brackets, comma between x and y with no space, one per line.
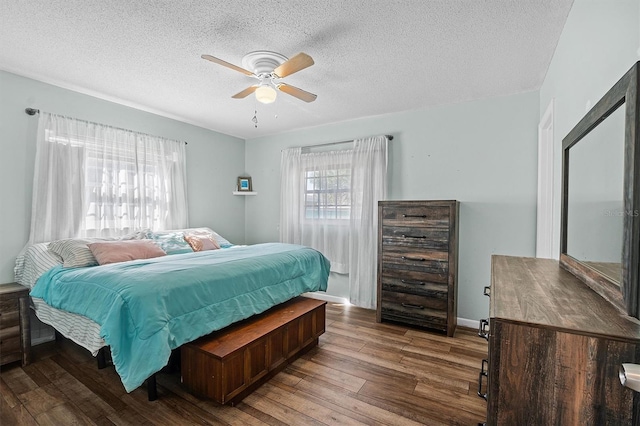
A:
[13,290]
[539,292]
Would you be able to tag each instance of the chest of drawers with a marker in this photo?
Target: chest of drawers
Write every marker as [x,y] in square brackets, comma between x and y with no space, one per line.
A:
[418,263]
[555,350]
[15,336]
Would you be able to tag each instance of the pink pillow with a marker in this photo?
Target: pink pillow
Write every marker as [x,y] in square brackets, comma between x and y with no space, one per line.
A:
[121,251]
[201,242]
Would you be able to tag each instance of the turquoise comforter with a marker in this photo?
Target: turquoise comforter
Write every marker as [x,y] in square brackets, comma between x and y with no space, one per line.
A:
[146,308]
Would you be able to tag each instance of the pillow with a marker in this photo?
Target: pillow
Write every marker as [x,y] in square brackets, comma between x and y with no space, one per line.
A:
[202,242]
[74,252]
[33,261]
[121,251]
[172,242]
[208,232]
[141,234]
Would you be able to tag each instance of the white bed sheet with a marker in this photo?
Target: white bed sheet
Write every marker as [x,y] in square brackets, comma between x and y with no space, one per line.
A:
[77,328]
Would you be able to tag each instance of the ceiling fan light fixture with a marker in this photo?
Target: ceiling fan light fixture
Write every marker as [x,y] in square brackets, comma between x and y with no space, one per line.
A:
[266,94]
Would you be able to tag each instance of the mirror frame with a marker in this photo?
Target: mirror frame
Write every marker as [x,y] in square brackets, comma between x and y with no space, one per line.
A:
[624,295]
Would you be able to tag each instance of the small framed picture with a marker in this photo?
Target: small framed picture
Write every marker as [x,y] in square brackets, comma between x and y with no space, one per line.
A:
[244,183]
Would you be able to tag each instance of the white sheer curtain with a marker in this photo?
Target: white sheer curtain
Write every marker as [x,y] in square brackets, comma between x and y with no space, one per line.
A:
[329,201]
[368,186]
[96,180]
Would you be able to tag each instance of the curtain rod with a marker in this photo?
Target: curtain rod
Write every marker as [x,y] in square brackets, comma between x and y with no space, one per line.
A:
[33,111]
[390,137]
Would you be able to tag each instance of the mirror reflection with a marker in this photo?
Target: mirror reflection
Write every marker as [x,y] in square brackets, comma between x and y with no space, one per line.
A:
[595,209]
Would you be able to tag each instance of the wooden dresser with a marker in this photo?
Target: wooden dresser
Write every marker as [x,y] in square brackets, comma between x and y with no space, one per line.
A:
[555,348]
[15,334]
[418,263]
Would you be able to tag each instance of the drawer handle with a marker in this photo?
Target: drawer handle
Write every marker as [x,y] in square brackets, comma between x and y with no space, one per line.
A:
[482,329]
[417,237]
[415,259]
[484,367]
[483,373]
[415,215]
[409,305]
[413,282]
[487,291]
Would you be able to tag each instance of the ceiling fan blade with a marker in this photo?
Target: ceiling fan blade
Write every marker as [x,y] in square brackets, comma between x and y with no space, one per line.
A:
[228,65]
[295,64]
[298,93]
[246,92]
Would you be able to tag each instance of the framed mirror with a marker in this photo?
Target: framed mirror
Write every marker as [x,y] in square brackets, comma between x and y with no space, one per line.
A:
[600,228]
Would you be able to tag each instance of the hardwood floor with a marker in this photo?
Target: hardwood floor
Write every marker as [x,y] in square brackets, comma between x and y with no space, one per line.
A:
[361,373]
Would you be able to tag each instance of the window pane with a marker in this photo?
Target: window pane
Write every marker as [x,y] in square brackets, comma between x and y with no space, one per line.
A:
[327,194]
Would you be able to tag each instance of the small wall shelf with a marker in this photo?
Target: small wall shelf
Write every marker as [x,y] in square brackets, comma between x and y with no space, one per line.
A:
[245,193]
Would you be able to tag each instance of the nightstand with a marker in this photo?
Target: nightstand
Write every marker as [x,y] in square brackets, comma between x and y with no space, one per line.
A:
[15,334]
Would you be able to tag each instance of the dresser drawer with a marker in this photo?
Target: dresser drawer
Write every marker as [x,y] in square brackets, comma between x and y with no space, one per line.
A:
[9,305]
[414,283]
[413,254]
[434,263]
[9,318]
[416,216]
[413,313]
[423,272]
[9,332]
[426,238]
[10,344]
[413,303]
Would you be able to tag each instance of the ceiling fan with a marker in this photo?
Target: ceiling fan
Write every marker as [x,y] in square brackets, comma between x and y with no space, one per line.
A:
[269,67]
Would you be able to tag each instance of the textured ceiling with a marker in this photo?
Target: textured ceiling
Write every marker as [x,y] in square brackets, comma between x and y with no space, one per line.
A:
[371,56]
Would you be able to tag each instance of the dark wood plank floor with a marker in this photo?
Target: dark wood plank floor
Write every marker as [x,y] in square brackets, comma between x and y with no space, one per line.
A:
[361,373]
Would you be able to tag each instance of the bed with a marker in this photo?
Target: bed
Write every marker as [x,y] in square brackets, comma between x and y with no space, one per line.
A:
[142,309]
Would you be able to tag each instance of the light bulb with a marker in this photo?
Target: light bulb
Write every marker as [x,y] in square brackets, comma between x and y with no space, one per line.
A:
[266,94]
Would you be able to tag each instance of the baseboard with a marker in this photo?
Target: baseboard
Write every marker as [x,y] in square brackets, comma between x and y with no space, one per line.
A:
[463,322]
[327,297]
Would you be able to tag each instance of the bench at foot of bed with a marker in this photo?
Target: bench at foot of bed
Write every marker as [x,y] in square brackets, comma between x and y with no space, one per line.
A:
[229,364]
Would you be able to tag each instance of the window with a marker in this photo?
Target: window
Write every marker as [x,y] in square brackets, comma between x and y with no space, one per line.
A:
[96,180]
[328,193]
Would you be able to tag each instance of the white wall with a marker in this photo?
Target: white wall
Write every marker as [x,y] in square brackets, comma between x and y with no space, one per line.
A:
[481,153]
[599,43]
[214,160]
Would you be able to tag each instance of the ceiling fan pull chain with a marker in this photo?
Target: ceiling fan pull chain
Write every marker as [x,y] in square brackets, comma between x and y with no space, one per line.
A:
[255,118]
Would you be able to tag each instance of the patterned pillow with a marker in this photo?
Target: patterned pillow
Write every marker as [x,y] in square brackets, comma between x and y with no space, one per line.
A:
[141,234]
[172,242]
[208,232]
[74,252]
[34,261]
[121,251]
[202,242]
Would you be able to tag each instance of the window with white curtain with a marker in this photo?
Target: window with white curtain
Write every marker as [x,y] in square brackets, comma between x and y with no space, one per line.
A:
[96,180]
[329,201]
[328,192]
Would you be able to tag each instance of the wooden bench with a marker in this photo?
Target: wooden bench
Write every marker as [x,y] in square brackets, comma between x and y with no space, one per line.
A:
[229,364]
